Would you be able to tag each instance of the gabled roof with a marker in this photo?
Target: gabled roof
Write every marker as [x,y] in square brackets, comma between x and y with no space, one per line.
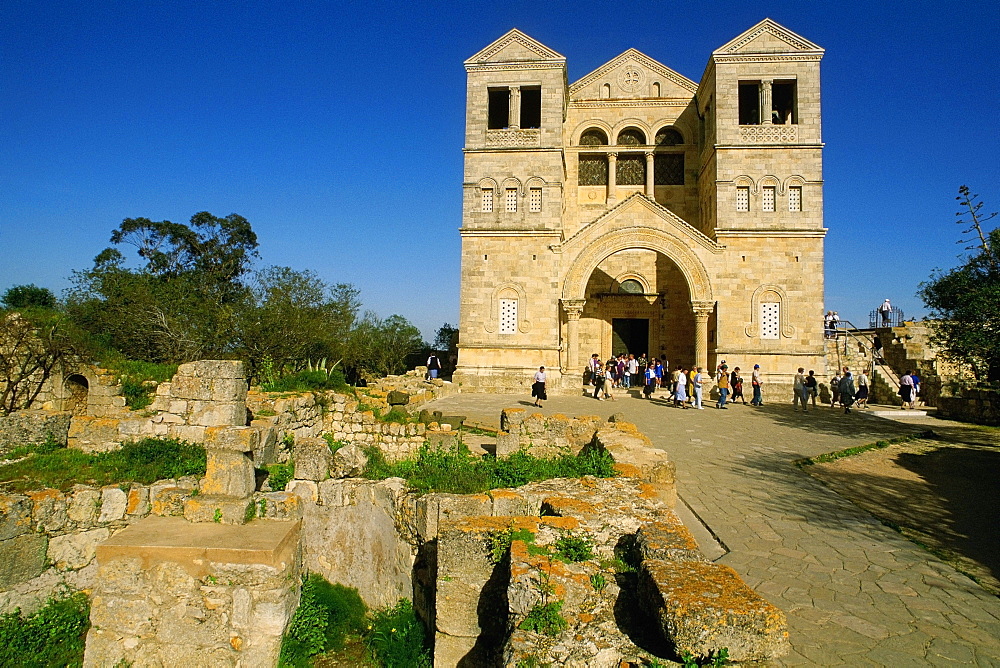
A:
[635,56]
[515,47]
[767,37]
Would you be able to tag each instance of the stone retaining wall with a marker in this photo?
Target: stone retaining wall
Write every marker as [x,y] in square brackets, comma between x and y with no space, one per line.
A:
[33,427]
[978,406]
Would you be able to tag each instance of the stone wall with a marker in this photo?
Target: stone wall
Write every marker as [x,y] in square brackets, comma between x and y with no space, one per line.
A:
[33,427]
[978,406]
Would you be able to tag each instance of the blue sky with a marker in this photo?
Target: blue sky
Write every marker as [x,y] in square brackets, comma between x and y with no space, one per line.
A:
[336,128]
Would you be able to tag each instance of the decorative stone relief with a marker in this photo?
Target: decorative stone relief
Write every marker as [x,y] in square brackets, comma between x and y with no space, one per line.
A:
[767,134]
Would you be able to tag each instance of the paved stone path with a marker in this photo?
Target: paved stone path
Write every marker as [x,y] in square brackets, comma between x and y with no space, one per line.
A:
[855,592]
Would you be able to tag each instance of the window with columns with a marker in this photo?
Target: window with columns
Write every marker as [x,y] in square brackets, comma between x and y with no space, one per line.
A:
[631,169]
[668,169]
[768,102]
[593,170]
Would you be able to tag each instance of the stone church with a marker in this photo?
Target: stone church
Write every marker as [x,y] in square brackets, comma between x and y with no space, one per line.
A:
[636,210]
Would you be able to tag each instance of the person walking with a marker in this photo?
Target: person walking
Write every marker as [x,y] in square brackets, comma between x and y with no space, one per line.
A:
[861,396]
[608,393]
[650,384]
[538,387]
[631,370]
[736,382]
[598,376]
[877,353]
[907,390]
[696,384]
[756,382]
[723,382]
[835,390]
[812,387]
[847,390]
[593,367]
[680,390]
[799,392]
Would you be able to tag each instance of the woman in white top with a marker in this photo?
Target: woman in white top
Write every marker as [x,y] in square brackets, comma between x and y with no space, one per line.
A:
[538,387]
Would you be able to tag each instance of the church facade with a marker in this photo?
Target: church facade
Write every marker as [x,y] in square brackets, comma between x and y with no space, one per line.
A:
[639,211]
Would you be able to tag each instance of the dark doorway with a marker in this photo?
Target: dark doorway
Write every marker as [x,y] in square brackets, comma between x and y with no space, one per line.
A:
[630,335]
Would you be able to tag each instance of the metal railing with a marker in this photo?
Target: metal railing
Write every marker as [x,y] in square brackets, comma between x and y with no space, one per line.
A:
[868,343]
[876,319]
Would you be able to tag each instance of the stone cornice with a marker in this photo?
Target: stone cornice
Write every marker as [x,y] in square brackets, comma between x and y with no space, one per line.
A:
[771,232]
[796,43]
[769,58]
[515,36]
[639,57]
[627,104]
[502,67]
[469,232]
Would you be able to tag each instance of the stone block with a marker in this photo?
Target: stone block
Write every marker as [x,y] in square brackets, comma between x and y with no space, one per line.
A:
[189,433]
[191,387]
[348,462]
[218,508]
[507,443]
[266,451]
[212,369]
[48,510]
[397,398]
[167,500]
[114,501]
[236,439]
[21,559]
[216,414]
[84,505]
[279,506]
[138,501]
[508,503]
[73,551]
[312,459]
[28,427]
[668,541]
[702,607]
[307,490]
[511,418]
[228,473]
[93,434]
[15,515]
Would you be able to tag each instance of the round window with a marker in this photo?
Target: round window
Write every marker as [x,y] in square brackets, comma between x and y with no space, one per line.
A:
[631,286]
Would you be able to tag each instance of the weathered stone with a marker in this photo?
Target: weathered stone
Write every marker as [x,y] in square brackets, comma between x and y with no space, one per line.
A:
[704,606]
[237,439]
[33,427]
[93,434]
[266,452]
[397,398]
[167,500]
[114,502]
[511,418]
[48,512]
[307,490]
[507,444]
[189,433]
[279,506]
[21,559]
[216,414]
[349,461]
[668,540]
[84,505]
[75,550]
[138,501]
[222,509]
[15,515]
[213,369]
[312,459]
[228,473]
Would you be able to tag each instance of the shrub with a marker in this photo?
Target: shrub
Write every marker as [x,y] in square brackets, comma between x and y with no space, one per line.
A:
[279,475]
[308,381]
[139,379]
[397,639]
[574,548]
[326,615]
[545,618]
[144,461]
[53,636]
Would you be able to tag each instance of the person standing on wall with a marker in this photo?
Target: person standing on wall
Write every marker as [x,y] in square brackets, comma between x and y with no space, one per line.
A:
[433,366]
[885,311]
[538,387]
[756,381]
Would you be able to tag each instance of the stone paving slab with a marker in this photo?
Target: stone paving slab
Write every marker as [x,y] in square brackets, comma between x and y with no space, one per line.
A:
[855,592]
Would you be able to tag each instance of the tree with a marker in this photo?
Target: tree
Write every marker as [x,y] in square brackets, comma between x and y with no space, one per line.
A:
[381,347]
[33,346]
[179,305]
[28,296]
[446,338]
[964,301]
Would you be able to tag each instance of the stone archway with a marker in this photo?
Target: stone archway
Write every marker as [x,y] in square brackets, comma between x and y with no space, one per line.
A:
[77,389]
[690,266]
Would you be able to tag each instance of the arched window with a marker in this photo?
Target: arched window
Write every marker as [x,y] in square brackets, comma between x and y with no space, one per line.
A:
[631,137]
[630,286]
[593,137]
[669,136]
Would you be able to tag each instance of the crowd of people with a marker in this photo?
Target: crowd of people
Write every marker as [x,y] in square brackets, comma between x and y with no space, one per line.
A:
[686,386]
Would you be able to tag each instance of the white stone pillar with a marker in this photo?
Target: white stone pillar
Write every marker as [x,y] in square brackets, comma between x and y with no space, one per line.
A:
[573,309]
[612,178]
[702,310]
[650,192]
[514,112]
[765,102]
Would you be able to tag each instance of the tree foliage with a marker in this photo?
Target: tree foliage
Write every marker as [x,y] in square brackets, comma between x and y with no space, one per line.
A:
[382,347]
[28,296]
[446,338]
[964,301]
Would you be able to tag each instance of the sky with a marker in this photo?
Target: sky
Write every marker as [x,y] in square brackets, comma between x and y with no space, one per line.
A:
[336,128]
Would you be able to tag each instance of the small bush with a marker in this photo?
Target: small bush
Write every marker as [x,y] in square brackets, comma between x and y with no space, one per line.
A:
[279,475]
[139,379]
[144,461]
[574,548]
[326,615]
[53,636]
[308,381]
[397,638]
[545,618]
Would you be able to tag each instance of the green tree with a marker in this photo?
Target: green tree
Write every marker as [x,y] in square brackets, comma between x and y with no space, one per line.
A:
[446,338]
[28,296]
[382,347]
[964,301]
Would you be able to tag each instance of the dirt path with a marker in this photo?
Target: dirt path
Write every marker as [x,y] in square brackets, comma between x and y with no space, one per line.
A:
[943,493]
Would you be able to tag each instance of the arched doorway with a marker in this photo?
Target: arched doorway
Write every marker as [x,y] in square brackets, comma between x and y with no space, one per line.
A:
[638,301]
[77,387]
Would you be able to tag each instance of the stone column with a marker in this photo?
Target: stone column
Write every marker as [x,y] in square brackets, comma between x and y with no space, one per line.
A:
[514,112]
[765,102]
[574,309]
[702,310]
[612,178]
[650,192]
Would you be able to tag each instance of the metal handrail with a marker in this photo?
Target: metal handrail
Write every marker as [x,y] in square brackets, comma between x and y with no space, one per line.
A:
[869,345]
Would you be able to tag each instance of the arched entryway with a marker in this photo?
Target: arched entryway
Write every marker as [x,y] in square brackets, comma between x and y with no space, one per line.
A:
[76,388]
[634,278]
